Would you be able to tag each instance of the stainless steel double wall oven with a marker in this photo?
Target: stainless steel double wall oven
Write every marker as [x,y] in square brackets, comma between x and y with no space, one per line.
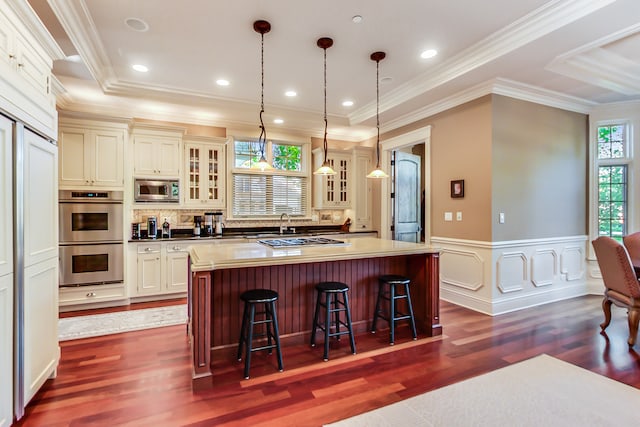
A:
[91,237]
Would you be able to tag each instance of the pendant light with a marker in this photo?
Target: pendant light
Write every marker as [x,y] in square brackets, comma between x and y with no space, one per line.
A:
[377,172]
[262,27]
[324,43]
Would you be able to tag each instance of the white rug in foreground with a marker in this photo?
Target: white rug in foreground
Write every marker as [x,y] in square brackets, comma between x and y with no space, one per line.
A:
[70,328]
[542,391]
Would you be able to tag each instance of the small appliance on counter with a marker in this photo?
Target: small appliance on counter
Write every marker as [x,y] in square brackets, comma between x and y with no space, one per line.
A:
[208,224]
[152,227]
[197,221]
[166,229]
[135,230]
[218,223]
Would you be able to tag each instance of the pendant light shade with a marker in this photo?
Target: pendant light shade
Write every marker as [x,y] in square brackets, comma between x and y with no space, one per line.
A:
[324,43]
[262,27]
[377,172]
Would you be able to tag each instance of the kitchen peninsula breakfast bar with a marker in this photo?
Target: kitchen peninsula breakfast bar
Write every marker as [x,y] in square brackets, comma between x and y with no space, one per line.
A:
[221,272]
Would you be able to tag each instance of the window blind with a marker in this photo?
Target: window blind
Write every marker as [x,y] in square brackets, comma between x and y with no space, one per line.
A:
[269,195]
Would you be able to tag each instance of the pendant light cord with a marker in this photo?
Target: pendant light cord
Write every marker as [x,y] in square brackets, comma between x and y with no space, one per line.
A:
[325,145]
[263,132]
[378,113]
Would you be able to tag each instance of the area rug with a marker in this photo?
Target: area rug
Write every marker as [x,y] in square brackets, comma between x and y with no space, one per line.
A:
[70,328]
[542,391]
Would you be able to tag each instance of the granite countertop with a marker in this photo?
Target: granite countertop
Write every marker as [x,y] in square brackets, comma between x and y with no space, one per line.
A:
[238,255]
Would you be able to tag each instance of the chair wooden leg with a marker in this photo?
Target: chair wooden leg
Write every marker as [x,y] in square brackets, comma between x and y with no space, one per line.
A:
[606,308]
[634,317]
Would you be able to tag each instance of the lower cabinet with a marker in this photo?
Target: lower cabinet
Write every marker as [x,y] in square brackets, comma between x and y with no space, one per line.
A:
[162,268]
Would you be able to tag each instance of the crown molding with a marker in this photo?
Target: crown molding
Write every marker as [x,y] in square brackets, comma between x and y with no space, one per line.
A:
[540,22]
[503,87]
[77,23]
[594,64]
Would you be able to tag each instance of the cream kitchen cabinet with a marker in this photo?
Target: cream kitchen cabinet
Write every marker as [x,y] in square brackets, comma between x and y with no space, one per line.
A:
[162,268]
[91,155]
[156,152]
[332,191]
[22,56]
[204,181]
[363,191]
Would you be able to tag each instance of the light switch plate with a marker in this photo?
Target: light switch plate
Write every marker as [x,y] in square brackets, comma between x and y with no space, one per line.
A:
[448,216]
[501,218]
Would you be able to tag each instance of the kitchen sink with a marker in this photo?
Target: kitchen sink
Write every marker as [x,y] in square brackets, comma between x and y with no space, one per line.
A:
[301,241]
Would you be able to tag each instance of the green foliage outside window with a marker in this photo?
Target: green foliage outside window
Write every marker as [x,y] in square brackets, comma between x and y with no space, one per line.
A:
[287,157]
[611,142]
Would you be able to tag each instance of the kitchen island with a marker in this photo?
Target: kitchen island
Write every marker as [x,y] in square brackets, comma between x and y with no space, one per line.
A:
[220,273]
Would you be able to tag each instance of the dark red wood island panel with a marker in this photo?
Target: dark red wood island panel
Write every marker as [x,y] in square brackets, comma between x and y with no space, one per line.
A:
[216,310]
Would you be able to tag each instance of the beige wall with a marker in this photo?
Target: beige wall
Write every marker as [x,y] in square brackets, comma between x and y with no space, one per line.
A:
[539,170]
[517,157]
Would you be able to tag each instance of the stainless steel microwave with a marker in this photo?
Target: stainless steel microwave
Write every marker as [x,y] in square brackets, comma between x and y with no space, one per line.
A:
[156,190]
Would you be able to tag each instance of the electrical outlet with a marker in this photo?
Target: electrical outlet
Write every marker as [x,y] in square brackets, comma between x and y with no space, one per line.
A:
[458,216]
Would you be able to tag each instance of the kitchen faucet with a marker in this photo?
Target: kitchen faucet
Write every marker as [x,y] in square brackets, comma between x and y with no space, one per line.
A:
[282,227]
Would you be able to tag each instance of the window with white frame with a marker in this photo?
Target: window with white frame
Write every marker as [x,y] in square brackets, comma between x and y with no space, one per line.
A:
[283,188]
[613,183]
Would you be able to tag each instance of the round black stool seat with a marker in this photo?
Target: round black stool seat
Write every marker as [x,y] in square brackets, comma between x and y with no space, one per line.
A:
[332,287]
[332,296]
[395,279]
[259,295]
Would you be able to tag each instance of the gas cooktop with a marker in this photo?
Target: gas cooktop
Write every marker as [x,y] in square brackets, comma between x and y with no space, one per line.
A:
[301,241]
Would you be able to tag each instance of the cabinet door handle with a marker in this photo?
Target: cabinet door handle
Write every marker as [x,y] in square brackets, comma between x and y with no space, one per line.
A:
[148,249]
[91,294]
[177,248]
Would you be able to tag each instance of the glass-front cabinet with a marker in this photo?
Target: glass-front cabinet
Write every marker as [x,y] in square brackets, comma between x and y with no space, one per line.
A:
[333,191]
[204,183]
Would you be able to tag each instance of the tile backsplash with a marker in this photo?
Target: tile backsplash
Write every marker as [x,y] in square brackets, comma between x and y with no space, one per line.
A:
[183,218]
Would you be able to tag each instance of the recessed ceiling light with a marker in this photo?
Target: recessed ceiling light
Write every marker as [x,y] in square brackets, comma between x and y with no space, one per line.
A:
[140,68]
[429,53]
[278,121]
[291,93]
[136,24]
[222,82]
[356,19]
[347,103]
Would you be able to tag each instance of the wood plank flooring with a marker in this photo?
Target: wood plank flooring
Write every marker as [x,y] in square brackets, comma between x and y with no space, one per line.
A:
[143,378]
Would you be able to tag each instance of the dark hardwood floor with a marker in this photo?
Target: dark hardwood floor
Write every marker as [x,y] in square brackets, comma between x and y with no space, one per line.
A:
[144,378]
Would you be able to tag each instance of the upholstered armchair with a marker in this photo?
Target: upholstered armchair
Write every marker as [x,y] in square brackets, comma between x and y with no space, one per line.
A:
[620,281]
[632,243]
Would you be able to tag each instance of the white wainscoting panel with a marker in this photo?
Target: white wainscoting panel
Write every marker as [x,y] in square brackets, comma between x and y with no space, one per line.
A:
[512,271]
[544,267]
[499,277]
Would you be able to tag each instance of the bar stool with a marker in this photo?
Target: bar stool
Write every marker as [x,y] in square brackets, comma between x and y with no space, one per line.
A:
[327,290]
[251,299]
[393,281]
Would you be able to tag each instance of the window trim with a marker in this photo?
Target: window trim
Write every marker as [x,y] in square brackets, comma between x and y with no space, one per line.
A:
[595,163]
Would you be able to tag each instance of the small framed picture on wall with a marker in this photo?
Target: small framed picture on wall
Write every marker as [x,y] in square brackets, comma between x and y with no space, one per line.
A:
[457,188]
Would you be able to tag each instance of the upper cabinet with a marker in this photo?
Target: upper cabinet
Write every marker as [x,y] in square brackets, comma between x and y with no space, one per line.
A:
[204,181]
[27,52]
[91,154]
[156,152]
[363,193]
[332,191]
